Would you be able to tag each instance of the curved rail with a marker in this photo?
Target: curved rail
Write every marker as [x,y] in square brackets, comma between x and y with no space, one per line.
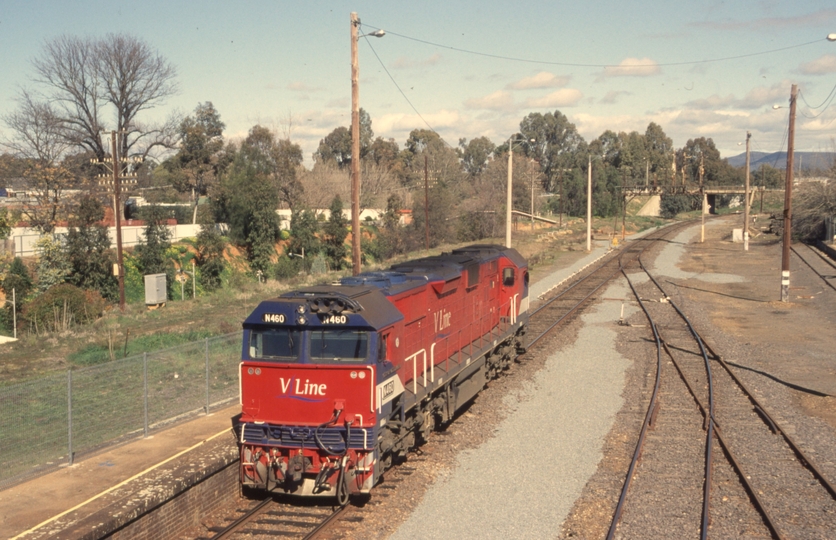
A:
[711,426]
[805,261]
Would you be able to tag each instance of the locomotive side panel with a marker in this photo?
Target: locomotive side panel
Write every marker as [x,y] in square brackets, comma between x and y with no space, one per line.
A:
[405,349]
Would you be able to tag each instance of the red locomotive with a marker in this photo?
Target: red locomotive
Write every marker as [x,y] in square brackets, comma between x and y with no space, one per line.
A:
[339,380]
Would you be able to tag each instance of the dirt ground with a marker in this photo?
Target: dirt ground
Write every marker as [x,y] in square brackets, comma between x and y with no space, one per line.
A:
[798,334]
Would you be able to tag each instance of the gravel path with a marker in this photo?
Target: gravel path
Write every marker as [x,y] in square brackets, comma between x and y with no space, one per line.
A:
[522,482]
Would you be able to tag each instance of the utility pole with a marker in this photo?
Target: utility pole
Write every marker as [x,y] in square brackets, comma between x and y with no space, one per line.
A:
[589,204]
[508,200]
[785,255]
[427,203]
[532,202]
[704,198]
[746,199]
[117,207]
[355,148]
[560,208]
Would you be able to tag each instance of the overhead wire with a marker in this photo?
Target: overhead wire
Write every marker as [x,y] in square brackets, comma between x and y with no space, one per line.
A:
[828,101]
[576,64]
[391,78]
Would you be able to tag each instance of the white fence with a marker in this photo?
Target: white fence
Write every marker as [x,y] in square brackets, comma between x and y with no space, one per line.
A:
[23,239]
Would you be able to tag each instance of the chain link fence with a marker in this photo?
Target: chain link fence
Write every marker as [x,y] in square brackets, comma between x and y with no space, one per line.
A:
[49,422]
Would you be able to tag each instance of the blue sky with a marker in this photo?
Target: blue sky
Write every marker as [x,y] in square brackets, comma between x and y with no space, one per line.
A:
[287,64]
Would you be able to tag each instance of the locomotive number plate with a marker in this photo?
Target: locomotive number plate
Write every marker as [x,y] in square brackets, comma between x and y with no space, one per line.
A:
[333,319]
[277,318]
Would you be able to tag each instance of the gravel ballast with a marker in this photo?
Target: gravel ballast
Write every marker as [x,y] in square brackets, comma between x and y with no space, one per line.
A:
[522,482]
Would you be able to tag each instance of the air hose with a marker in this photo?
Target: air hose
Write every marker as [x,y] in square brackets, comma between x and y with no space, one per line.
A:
[342,478]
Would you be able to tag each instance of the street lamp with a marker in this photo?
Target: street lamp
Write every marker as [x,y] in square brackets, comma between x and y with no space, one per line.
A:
[511,140]
[355,142]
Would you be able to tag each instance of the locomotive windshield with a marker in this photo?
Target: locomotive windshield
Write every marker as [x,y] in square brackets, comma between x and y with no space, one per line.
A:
[339,345]
[275,344]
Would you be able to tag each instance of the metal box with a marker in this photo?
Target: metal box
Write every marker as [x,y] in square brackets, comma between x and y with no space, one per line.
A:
[155,289]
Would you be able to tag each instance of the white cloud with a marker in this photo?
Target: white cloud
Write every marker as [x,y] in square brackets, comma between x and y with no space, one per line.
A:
[409,63]
[544,79]
[754,99]
[299,86]
[762,95]
[820,66]
[565,97]
[497,101]
[393,125]
[633,67]
[613,96]
[712,102]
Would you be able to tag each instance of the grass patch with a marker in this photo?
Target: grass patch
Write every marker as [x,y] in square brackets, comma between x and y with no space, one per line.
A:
[99,354]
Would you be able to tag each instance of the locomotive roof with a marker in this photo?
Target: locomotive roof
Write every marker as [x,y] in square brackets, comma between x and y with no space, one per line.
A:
[445,267]
[365,294]
[368,302]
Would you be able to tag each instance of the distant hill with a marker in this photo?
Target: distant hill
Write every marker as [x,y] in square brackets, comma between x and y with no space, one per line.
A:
[803,160]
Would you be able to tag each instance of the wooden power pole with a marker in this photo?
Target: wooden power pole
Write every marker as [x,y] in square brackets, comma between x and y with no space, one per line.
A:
[785,255]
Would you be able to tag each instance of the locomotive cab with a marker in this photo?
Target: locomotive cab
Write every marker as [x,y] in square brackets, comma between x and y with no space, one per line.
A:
[310,362]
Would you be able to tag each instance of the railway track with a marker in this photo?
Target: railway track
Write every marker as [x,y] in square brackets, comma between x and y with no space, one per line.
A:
[736,470]
[278,517]
[574,295]
[817,262]
[272,517]
[293,518]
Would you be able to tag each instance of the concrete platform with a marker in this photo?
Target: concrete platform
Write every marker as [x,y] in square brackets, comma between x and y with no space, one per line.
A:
[101,494]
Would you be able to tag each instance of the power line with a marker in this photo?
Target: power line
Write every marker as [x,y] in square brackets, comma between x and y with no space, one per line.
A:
[828,101]
[574,64]
[403,94]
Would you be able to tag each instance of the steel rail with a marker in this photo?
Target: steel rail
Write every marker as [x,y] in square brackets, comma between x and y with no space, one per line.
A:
[247,517]
[805,261]
[759,505]
[711,428]
[776,427]
[709,436]
[767,418]
[647,421]
[647,241]
[651,408]
[325,522]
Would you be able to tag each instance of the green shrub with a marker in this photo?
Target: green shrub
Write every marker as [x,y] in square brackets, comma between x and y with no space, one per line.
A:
[287,268]
[671,205]
[61,307]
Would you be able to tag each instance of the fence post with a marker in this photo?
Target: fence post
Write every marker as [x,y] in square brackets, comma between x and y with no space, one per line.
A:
[206,350]
[145,391]
[69,417]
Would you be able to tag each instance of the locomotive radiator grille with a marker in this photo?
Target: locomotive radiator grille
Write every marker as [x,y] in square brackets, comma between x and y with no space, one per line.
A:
[297,437]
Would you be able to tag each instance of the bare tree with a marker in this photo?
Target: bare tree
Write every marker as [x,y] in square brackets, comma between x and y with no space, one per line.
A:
[67,68]
[39,143]
[134,78]
[83,76]
[378,183]
[38,132]
[323,183]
